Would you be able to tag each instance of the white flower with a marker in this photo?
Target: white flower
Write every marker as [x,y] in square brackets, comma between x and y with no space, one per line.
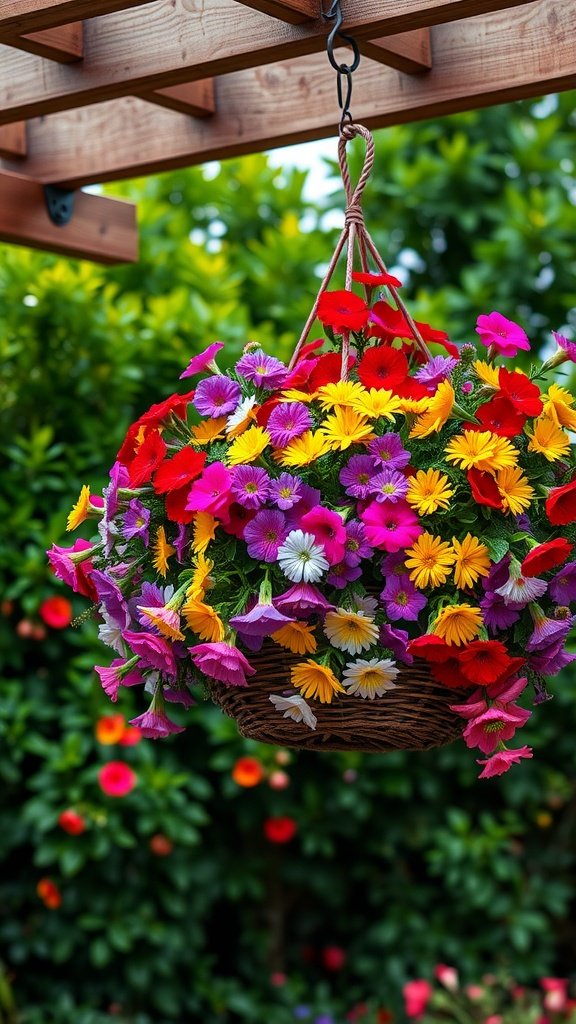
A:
[241,413]
[364,604]
[110,634]
[301,558]
[350,631]
[295,708]
[370,678]
[519,590]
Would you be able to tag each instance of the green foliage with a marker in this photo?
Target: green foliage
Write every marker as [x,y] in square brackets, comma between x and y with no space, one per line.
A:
[401,860]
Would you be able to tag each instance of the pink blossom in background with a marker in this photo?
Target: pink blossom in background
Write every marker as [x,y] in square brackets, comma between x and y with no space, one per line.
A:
[416,997]
[116,779]
[504,336]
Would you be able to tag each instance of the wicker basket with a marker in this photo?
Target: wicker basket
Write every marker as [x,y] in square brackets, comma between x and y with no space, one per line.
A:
[415,715]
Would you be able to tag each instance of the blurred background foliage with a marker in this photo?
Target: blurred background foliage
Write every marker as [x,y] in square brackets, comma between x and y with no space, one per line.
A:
[173,903]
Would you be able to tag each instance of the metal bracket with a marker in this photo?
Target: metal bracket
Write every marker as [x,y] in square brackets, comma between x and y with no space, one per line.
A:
[59,204]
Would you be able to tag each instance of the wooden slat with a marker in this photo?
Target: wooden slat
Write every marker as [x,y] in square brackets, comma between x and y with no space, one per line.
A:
[62,44]
[101,229]
[17,17]
[167,44]
[13,140]
[293,11]
[409,52]
[195,98]
[478,62]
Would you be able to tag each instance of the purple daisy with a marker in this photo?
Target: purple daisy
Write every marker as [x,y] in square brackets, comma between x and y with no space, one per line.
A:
[435,371]
[356,476]
[263,370]
[402,600]
[389,451]
[397,641]
[265,534]
[562,588]
[203,361]
[135,522]
[250,485]
[496,614]
[342,574]
[216,396]
[286,491]
[389,485]
[287,421]
[356,546]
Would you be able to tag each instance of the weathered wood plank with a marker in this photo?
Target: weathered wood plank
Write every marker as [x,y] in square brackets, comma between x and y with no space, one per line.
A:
[293,11]
[167,43]
[101,229]
[484,60]
[409,52]
[195,98]
[62,44]
[18,17]
[13,140]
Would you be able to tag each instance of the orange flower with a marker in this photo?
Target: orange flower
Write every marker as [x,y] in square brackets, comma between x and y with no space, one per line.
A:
[110,729]
[49,893]
[247,772]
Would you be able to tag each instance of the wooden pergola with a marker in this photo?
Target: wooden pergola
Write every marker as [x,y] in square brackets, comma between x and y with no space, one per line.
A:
[98,90]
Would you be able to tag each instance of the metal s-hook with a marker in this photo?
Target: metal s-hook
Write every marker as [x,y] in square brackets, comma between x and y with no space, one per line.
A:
[344,71]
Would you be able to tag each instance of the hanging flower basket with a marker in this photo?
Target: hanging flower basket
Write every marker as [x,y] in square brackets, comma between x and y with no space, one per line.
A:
[367,549]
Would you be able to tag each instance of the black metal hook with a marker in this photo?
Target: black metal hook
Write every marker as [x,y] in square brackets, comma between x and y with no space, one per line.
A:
[59,204]
[337,37]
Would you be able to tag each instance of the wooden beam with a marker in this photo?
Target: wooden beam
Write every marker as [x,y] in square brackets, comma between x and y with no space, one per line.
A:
[13,140]
[17,17]
[485,60]
[293,11]
[63,44]
[409,52]
[195,98]
[165,44]
[101,229]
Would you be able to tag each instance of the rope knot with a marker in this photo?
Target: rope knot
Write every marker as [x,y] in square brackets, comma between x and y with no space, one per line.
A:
[353,214]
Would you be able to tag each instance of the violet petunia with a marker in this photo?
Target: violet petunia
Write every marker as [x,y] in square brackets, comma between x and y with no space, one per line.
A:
[154,724]
[562,589]
[397,641]
[216,396]
[262,620]
[402,600]
[356,546]
[135,522]
[111,597]
[303,599]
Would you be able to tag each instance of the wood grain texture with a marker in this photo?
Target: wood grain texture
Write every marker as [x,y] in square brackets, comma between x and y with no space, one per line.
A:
[101,229]
[195,98]
[62,44]
[169,42]
[292,11]
[18,17]
[476,63]
[13,140]
[410,52]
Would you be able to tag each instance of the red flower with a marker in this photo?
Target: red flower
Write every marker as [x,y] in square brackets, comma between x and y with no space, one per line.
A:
[326,371]
[56,612]
[383,367]
[131,736]
[484,661]
[310,347]
[430,647]
[237,518]
[561,504]
[388,323]
[148,457]
[546,556]
[333,958]
[342,310]
[116,779]
[373,280]
[449,673]
[176,503]
[280,830]
[49,893]
[160,845]
[176,404]
[501,417]
[521,392]
[72,822]
[248,772]
[184,467]
[417,995]
[484,489]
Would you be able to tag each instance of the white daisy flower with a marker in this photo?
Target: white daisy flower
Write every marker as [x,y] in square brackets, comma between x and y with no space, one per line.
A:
[295,708]
[301,558]
[520,590]
[370,678]
[350,631]
[241,414]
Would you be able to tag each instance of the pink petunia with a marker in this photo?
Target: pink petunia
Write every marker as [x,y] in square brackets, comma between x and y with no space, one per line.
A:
[502,335]
[493,725]
[116,779]
[154,651]
[203,360]
[391,526]
[328,529]
[502,760]
[222,662]
[211,492]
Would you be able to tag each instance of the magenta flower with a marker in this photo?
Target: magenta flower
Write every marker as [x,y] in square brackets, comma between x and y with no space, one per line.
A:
[342,574]
[391,526]
[250,486]
[154,651]
[211,492]
[119,673]
[328,529]
[223,662]
[435,371]
[389,451]
[397,641]
[265,534]
[263,370]
[65,563]
[203,360]
[567,346]
[356,547]
[402,600]
[494,725]
[262,620]
[562,589]
[303,599]
[154,724]
[287,421]
[119,477]
[502,760]
[549,661]
[356,475]
[135,522]
[216,396]
[504,336]
[285,491]
[389,485]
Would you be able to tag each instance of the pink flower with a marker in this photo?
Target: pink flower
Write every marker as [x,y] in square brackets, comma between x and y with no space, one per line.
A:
[154,651]
[116,674]
[328,529]
[447,976]
[391,527]
[203,360]
[154,724]
[211,492]
[116,779]
[504,336]
[556,994]
[72,566]
[222,662]
[493,725]
[416,997]
[502,760]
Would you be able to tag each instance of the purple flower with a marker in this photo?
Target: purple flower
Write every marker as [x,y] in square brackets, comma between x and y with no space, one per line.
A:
[356,546]
[203,360]
[567,346]
[216,396]
[135,521]
[110,595]
[394,564]
[117,674]
[310,497]
[262,620]
[250,485]
[287,421]
[181,542]
[547,631]
[550,661]
[285,491]
[562,588]
[119,477]
[402,599]
[342,573]
[264,371]
[265,534]
[389,485]
[435,371]
[498,575]
[389,451]
[356,476]
[303,599]
[154,651]
[179,694]
[397,641]
[154,724]
[222,662]
[497,614]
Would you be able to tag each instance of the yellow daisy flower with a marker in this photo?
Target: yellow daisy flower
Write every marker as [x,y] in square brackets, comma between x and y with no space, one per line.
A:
[458,624]
[204,531]
[413,406]
[162,551]
[80,510]
[487,373]
[481,449]
[505,456]
[294,395]
[557,405]
[203,620]
[248,447]
[377,402]
[209,430]
[428,491]
[350,631]
[515,491]
[472,560]
[430,560]
[437,411]
[297,637]
[200,581]
[315,680]
[342,393]
[548,439]
[345,427]
[304,449]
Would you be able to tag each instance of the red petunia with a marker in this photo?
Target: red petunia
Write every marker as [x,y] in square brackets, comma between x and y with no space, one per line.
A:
[176,502]
[184,467]
[411,388]
[546,556]
[309,348]
[150,454]
[561,504]
[430,647]
[388,323]
[237,517]
[520,391]
[501,417]
[280,830]
[383,367]
[449,673]
[327,371]
[129,445]
[374,280]
[482,662]
[56,611]
[342,310]
[176,404]
[484,489]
